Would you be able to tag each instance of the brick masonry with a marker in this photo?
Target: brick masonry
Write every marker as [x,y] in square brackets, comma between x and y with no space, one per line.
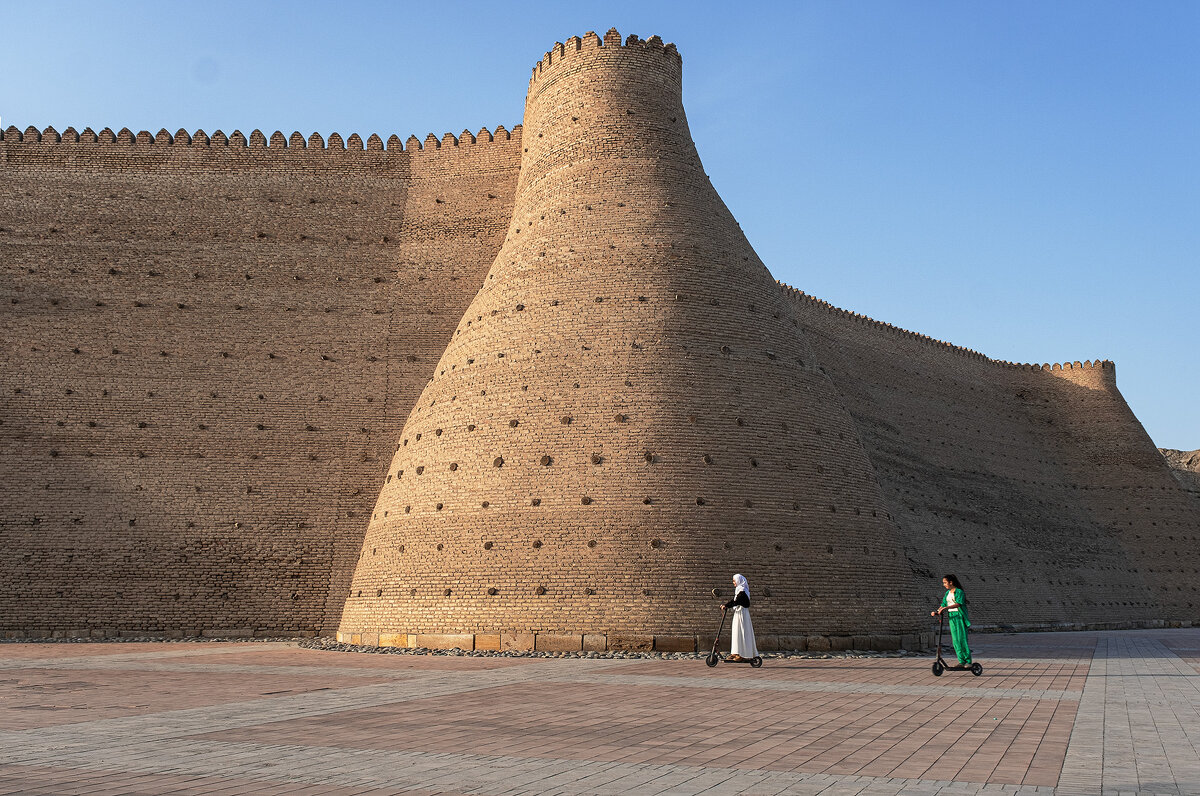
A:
[211,344]
[216,344]
[1037,480]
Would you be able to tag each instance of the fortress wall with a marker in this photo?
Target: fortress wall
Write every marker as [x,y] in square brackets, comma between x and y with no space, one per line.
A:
[1122,480]
[212,345]
[626,414]
[1035,484]
[209,347]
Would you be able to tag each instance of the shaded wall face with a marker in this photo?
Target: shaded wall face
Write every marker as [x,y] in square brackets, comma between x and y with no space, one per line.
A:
[1185,467]
[626,414]
[209,352]
[1123,483]
[1039,489]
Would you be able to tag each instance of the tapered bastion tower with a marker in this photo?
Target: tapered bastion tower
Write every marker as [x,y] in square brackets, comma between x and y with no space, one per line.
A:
[626,415]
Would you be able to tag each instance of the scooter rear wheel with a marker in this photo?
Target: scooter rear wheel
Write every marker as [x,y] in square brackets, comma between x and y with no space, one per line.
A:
[938,668]
[976,669]
[756,662]
[711,660]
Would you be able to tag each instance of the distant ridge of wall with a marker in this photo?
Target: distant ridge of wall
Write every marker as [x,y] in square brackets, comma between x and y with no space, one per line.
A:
[854,317]
[1185,466]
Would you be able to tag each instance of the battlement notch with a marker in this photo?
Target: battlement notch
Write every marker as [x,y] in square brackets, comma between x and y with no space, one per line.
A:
[591,43]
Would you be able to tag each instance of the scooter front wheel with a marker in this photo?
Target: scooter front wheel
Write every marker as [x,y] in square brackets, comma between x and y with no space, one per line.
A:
[938,668]
[976,669]
[711,660]
[756,662]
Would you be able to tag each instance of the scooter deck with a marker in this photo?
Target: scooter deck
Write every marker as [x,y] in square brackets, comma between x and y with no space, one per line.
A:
[755,662]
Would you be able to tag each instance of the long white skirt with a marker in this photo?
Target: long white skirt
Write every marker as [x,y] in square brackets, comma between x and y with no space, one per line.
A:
[742,642]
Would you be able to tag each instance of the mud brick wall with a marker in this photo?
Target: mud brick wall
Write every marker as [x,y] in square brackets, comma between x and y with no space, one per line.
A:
[209,347]
[627,413]
[253,384]
[1034,483]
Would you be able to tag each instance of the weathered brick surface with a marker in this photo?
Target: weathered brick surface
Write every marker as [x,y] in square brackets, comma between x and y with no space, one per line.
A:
[1035,483]
[210,346]
[627,413]
[213,345]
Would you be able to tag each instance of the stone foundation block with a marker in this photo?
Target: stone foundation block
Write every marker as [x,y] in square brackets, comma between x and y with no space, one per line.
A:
[675,643]
[630,642]
[516,642]
[860,643]
[766,642]
[446,641]
[555,642]
[370,639]
[841,643]
[910,642]
[883,643]
[487,641]
[393,639]
[797,643]
[705,643]
[595,642]
[819,644]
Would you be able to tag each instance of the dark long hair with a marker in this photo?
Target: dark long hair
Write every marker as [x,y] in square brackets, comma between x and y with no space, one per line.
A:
[954,584]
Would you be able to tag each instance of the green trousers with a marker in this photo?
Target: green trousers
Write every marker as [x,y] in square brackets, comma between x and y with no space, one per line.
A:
[958,632]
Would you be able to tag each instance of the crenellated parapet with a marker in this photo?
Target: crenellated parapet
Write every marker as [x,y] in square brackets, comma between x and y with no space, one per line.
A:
[591,44]
[126,142]
[1073,369]
[1097,374]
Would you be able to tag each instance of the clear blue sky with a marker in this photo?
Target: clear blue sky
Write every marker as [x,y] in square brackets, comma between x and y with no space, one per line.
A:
[1022,178]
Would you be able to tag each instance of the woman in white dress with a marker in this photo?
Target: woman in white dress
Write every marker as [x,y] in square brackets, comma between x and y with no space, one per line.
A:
[742,644]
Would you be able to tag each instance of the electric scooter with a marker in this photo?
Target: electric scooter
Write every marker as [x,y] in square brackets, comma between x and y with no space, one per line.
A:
[940,664]
[714,657]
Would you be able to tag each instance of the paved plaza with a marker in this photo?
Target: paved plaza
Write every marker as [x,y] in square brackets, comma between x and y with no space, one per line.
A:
[1065,713]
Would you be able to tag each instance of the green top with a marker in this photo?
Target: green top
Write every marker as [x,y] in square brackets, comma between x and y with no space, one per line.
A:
[962,604]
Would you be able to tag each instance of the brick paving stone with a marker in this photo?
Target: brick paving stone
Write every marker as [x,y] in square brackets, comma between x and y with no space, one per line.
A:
[423,725]
[44,697]
[16,655]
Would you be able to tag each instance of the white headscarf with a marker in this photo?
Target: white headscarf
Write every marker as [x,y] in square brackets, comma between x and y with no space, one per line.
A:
[740,585]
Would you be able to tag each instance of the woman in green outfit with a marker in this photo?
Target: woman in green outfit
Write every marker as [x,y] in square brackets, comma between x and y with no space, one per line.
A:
[954,605]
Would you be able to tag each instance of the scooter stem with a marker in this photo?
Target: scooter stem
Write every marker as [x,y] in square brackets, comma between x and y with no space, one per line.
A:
[720,629]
